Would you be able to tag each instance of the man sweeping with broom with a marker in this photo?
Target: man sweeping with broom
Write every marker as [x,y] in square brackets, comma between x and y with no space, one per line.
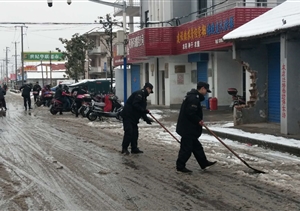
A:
[189,127]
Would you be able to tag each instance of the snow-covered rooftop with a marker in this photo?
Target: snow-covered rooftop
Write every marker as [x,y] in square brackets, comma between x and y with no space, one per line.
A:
[284,16]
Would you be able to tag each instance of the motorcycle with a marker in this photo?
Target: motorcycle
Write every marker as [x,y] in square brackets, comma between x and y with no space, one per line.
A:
[86,102]
[57,105]
[111,107]
[236,99]
[45,100]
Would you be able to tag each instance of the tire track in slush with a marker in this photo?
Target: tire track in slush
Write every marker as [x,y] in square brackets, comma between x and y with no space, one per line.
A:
[65,178]
[26,138]
[37,164]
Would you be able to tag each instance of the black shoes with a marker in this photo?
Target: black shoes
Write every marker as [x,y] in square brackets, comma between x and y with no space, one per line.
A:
[125,151]
[209,163]
[136,151]
[184,170]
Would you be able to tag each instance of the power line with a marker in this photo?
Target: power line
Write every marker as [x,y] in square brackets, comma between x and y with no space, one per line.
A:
[44,23]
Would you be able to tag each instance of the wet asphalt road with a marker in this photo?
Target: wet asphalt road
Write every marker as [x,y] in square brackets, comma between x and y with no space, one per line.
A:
[65,163]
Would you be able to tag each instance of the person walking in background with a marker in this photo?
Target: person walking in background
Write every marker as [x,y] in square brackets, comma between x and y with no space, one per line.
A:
[2,98]
[36,90]
[134,109]
[189,127]
[26,88]
[5,87]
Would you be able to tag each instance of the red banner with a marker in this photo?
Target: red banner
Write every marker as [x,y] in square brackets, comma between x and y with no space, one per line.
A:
[203,34]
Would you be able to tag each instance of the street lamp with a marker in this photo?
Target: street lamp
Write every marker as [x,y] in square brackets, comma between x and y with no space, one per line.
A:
[50,2]
[121,6]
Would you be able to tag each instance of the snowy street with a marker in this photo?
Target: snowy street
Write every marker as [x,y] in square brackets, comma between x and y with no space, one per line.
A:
[59,162]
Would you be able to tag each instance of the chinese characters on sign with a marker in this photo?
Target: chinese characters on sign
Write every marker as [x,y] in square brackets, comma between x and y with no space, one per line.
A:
[136,41]
[42,56]
[189,38]
[283,91]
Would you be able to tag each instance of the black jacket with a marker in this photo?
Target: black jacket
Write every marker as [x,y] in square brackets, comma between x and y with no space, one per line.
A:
[190,115]
[2,93]
[37,88]
[58,93]
[135,106]
[26,90]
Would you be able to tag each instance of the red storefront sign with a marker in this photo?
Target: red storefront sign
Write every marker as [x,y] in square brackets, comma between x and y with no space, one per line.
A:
[151,42]
[203,34]
[119,59]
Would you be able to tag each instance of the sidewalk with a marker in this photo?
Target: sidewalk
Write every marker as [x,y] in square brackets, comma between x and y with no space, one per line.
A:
[265,135]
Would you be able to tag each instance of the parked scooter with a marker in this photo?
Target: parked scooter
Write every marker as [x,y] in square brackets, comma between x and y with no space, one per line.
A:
[86,102]
[57,105]
[236,99]
[111,107]
[44,100]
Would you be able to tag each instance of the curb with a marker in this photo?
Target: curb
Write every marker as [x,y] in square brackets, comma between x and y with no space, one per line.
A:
[260,143]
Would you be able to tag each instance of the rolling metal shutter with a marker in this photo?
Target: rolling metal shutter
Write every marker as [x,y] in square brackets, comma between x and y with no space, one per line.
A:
[135,78]
[202,76]
[274,82]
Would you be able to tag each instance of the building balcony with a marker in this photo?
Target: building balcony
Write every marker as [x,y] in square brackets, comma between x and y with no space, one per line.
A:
[95,51]
[238,4]
[132,9]
[95,70]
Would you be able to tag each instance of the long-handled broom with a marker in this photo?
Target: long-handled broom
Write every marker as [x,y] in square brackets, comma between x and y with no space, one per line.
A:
[243,161]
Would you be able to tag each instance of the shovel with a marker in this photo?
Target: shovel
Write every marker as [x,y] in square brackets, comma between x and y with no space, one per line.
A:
[255,170]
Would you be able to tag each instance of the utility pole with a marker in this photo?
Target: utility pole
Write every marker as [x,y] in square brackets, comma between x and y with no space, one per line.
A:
[42,73]
[6,63]
[123,6]
[16,62]
[1,71]
[22,53]
[50,68]
[12,70]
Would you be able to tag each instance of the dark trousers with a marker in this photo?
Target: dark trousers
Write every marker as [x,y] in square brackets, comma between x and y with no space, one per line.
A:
[131,134]
[35,97]
[67,103]
[3,102]
[27,100]
[188,146]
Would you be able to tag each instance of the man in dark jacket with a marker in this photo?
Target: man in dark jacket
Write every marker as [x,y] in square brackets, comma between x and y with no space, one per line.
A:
[134,109]
[2,98]
[26,95]
[5,87]
[189,127]
[36,90]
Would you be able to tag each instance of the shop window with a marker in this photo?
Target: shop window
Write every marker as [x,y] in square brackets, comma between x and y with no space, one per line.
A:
[261,3]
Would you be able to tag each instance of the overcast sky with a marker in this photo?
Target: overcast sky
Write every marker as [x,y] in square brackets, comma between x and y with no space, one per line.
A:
[45,37]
